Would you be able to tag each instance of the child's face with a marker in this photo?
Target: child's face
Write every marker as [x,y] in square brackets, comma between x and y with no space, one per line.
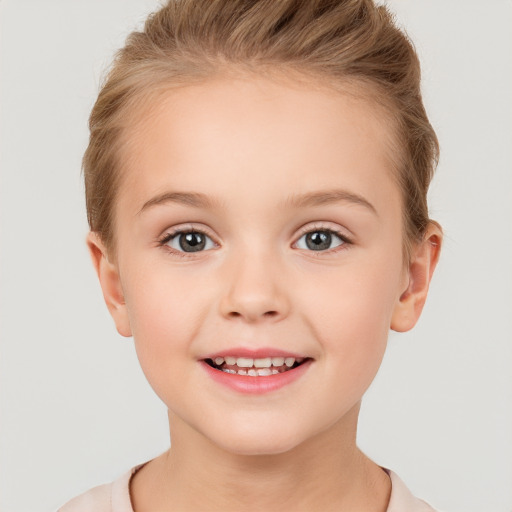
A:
[255,166]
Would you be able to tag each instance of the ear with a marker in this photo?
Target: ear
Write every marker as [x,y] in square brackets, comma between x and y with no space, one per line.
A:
[108,274]
[419,272]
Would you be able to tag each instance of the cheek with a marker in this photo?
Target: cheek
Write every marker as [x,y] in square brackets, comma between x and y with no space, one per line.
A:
[162,301]
[166,312]
[350,314]
[355,298]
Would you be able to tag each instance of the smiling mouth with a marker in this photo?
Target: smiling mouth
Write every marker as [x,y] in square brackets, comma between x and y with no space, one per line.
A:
[259,367]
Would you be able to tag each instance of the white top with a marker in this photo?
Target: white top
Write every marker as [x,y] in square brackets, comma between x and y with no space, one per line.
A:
[115,497]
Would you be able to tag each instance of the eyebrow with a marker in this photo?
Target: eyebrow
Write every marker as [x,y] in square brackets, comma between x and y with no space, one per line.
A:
[320,198]
[194,199]
[324,197]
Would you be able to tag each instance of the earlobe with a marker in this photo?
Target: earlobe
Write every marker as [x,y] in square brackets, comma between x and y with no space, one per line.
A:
[108,275]
[419,273]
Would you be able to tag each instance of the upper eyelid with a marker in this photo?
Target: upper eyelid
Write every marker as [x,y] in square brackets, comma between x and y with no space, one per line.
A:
[346,241]
[186,228]
[171,233]
[325,226]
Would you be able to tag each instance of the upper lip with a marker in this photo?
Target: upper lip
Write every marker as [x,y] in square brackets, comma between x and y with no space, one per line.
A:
[254,353]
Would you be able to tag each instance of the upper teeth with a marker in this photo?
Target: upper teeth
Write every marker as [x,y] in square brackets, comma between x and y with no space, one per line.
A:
[248,362]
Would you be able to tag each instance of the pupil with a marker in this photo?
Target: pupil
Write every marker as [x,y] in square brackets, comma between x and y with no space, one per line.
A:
[318,240]
[192,242]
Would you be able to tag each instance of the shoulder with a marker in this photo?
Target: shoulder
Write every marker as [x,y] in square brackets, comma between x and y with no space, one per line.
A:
[402,500]
[98,499]
[112,497]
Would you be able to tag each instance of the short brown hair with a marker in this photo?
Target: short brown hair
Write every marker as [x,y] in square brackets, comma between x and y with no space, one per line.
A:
[338,40]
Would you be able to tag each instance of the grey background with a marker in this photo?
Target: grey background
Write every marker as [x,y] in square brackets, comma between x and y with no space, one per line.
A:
[76,410]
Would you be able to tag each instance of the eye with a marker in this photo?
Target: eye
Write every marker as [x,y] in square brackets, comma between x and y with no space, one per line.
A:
[188,241]
[321,240]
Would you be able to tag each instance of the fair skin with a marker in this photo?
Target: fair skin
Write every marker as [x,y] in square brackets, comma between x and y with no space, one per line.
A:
[253,149]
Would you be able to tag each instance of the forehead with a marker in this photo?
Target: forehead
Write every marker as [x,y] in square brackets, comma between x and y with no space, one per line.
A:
[229,136]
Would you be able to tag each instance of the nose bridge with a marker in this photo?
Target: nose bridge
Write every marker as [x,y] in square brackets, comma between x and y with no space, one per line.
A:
[255,287]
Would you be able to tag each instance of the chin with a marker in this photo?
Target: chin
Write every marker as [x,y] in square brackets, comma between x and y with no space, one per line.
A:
[258,441]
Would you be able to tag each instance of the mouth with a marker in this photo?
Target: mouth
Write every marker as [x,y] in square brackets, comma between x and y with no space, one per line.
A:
[255,367]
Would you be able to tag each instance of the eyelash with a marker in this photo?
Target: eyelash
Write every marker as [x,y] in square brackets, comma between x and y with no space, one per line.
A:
[168,236]
[347,241]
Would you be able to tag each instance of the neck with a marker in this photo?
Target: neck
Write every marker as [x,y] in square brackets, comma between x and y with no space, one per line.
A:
[326,472]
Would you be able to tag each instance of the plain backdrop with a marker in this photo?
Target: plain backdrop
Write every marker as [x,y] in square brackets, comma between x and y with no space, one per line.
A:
[76,410]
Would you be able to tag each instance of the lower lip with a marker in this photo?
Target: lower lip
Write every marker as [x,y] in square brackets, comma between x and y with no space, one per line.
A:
[256,385]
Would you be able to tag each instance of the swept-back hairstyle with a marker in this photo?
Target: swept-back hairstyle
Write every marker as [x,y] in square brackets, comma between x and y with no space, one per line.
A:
[336,41]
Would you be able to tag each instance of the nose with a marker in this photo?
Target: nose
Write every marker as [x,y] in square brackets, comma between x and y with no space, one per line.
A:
[255,289]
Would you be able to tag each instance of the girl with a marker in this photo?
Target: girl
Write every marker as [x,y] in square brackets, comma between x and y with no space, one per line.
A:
[256,183]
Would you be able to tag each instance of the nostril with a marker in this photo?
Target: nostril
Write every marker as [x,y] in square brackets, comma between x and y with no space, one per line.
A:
[267,314]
